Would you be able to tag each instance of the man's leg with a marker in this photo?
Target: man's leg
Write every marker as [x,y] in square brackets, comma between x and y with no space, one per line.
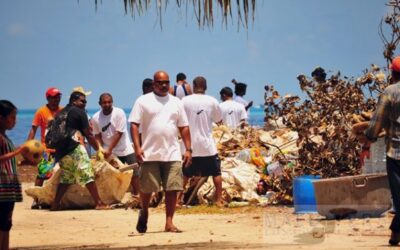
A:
[4,240]
[135,184]
[145,201]
[218,190]
[170,205]
[141,225]
[172,181]
[393,173]
[179,200]
[91,186]
[150,180]
[61,189]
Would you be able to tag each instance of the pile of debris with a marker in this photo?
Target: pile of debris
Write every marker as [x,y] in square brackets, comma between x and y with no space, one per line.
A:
[315,137]
[324,122]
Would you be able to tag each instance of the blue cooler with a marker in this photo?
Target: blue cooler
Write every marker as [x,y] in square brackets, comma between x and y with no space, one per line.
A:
[304,195]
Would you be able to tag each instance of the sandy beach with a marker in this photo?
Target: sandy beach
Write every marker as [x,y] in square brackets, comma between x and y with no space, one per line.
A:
[273,227]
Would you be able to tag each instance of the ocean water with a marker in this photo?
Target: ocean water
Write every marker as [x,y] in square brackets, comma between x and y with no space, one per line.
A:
[24,120]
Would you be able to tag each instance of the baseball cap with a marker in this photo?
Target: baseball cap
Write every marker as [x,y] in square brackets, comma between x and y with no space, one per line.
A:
[395,66]
[53,92]
[81,90]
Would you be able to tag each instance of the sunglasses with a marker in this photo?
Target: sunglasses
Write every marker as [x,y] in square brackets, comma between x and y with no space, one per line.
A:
[162,82]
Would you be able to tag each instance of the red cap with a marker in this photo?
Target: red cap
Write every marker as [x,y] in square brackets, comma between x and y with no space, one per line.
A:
[395,66]
[53,92]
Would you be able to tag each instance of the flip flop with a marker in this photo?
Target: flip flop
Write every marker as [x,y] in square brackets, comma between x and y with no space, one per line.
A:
[173,230]
[141,225]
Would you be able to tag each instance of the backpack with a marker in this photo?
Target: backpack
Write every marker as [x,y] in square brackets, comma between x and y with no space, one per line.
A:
[58,134]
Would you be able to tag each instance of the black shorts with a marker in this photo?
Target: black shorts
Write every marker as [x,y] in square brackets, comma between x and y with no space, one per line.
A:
[127,159]
[6,211]
[203,166]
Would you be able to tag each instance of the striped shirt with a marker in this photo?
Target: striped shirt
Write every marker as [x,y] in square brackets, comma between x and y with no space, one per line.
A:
[10,188]
[387,116]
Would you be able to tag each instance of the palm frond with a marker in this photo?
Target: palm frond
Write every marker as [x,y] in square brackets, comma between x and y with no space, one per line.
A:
[203,10]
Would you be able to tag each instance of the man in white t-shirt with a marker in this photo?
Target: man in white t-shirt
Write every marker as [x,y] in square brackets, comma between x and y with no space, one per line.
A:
[160,116]
[110,130]
[202,110]
[233,113]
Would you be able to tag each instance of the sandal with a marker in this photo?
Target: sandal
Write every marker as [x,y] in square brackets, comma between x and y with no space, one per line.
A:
[173,230]
[141,225]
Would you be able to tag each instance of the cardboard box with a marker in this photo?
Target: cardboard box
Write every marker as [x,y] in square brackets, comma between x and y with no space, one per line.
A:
[353,196]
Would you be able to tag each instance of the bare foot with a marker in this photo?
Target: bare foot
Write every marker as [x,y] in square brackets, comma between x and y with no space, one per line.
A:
[54,207]
[103,207]
[219,204]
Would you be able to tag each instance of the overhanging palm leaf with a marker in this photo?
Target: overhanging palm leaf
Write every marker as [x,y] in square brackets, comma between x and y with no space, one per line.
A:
[203,9]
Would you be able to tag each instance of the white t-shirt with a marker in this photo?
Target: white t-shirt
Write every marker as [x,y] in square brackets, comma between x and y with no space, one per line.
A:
[202,111]
[241,100]
[180,90]
[108,126]
[232,113]
[159,117]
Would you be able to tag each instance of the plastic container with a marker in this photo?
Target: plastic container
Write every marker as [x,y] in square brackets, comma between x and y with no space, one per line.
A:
[304,194]
[357,196]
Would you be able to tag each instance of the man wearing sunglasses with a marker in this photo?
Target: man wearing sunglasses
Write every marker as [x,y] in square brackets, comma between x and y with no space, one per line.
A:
[160,116]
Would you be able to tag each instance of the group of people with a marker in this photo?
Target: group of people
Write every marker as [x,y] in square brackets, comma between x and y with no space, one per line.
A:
[162,118]
[158,118]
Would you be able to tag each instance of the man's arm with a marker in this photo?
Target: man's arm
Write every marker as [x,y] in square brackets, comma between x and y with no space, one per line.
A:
[114,141]
[249,105]
[185,134]
[188,89]
[99,139]
[379,119]
[136,142]
[91,139]
[32,132]
[100,142]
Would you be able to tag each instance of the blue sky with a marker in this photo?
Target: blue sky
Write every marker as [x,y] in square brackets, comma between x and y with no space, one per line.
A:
[67,43]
